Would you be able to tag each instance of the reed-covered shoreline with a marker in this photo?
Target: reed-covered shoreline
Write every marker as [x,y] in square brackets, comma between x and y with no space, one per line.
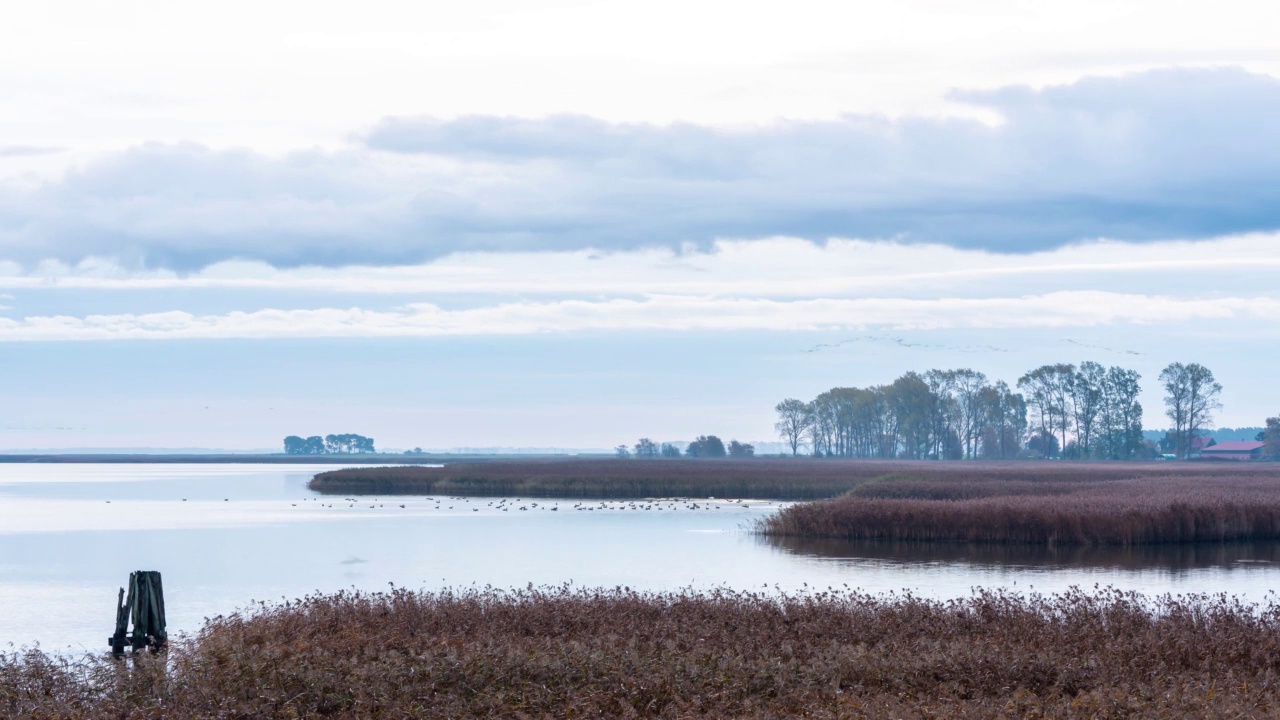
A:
[758,478]
[1186,508]
[619,653]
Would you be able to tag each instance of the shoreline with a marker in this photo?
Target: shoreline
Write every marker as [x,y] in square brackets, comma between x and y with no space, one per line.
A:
[247,459]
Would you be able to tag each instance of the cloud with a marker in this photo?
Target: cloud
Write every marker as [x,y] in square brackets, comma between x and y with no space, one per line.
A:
[656,313]
[771,267]
[1180,153]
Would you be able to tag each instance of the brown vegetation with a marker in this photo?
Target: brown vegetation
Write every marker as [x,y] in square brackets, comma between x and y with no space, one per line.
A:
[565,653]
[608,478]
[777,479]
[1227,504]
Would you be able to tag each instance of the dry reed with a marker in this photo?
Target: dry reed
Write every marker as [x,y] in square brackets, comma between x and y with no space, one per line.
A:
[582,653]
[1185,508]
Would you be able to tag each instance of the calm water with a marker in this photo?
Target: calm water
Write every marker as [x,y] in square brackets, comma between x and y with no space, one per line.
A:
[226,535]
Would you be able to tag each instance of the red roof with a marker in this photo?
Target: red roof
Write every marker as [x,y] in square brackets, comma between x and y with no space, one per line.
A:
[1239,446]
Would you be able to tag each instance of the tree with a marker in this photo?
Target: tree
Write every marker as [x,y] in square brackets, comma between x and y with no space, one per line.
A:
[1271,439]
[1086,388]
[971,416]
[793,420]
[646,448]
[741,450]
[329,445]
[1004,423]
[1119,434]
[1191,396]
[942,409]
[1048,389]
[670,451]
[707,446]
[622,452]
[316,445]
[907,422]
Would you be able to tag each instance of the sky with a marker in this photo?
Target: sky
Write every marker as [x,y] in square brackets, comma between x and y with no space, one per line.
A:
[573,223]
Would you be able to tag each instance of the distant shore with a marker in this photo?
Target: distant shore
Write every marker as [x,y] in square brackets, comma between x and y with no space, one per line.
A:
[281,458]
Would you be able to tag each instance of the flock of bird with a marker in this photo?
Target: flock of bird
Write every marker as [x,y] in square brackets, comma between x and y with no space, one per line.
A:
[528,505]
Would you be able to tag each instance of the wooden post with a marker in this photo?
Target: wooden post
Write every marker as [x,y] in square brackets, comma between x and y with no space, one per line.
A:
[122,624]
[145,606]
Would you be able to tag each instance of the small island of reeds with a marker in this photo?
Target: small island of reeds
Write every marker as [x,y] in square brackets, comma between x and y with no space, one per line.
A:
[1198,504]
[757,478]
[565,652]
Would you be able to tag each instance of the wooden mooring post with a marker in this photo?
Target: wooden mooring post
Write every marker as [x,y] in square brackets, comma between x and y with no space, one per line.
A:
[145,607]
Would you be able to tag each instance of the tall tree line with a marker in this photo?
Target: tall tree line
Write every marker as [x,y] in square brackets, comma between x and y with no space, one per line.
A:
[1057,410]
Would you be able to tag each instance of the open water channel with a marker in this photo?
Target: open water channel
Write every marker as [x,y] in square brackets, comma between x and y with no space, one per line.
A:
[228,535]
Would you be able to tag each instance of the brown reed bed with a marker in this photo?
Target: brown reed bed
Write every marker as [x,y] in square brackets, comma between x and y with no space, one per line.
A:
[594,654]
[1184,508]
[758,478]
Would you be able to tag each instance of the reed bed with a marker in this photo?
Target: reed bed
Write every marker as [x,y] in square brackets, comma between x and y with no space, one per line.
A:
[759,478]
[582,653]
[1184,508]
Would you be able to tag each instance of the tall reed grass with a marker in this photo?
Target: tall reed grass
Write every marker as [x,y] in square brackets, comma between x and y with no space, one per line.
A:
[1184,508]
[583,653]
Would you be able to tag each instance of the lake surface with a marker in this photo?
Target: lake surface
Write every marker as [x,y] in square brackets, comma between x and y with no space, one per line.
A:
[227,535]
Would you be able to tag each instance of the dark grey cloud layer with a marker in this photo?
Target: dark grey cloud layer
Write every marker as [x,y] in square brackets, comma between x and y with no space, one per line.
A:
[1171,153]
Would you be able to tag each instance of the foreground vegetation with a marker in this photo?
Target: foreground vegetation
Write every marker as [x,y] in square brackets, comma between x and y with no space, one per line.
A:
[570,653]
[1231,504]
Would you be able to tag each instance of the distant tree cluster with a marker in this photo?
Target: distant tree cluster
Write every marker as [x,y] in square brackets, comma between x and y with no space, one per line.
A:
[705,446]
[345,444]
[1057,411]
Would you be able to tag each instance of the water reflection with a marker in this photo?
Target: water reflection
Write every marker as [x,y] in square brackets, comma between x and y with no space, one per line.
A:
[1174,557]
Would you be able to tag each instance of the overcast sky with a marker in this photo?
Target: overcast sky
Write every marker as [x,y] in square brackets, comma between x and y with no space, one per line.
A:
[574,223]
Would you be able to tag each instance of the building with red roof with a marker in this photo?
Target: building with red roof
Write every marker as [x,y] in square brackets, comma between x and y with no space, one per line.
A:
[1233,450]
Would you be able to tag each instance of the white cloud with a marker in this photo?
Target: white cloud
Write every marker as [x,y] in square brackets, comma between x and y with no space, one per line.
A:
[665,313]
[1176,153]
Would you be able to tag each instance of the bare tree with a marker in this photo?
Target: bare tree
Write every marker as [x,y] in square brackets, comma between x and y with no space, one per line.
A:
[1086,387]
[1048,392]
[1191,396]
[1120,419]
[793,420]
[969,385]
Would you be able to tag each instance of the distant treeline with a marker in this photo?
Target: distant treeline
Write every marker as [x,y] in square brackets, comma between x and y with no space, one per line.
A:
[1056,411]
[1224,434]
[704,446]
[345,444]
